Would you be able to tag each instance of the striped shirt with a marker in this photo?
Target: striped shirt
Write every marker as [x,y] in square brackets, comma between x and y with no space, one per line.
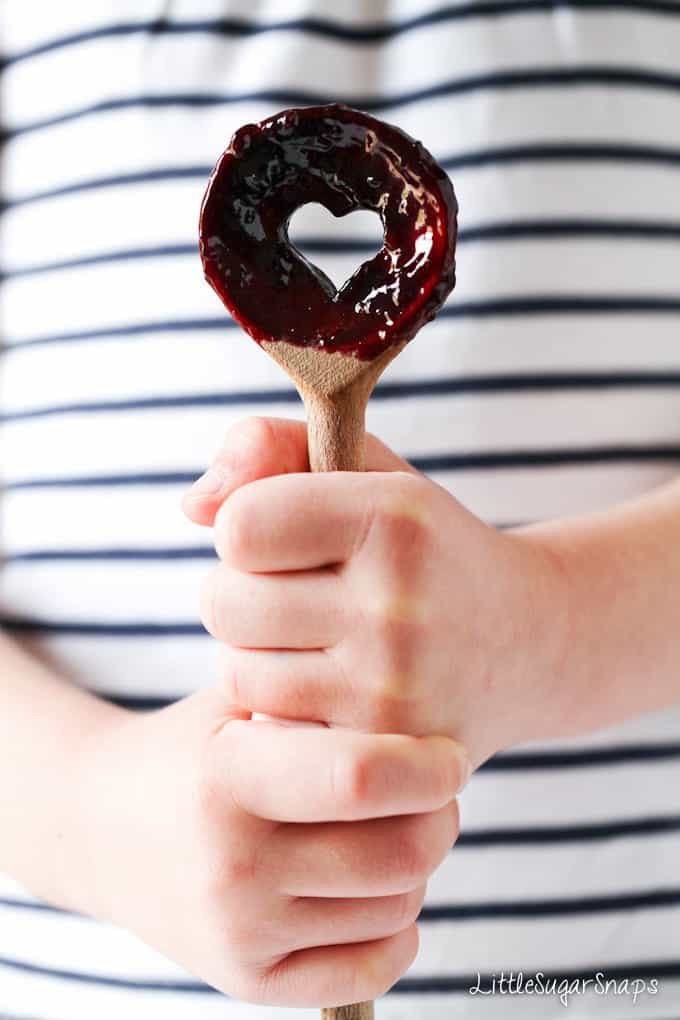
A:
[547,386]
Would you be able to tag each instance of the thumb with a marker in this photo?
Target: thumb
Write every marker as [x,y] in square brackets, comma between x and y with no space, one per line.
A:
[258,448]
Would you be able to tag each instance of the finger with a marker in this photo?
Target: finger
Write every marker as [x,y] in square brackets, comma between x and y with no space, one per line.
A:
[253,448]
[289,684]
[378,857]
[299,610]
[260,447]
[303,521]
[339,975]
[295,774]
[314,921]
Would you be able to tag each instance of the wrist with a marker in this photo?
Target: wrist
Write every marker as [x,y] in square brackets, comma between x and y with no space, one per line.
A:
[547,694]
[587,683]
[93,769]
[44,723]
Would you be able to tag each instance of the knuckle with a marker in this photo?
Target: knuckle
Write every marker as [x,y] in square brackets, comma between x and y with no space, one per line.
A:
[406,510]
[443,778]
[389,709]
[397,642]
[259,431]
[275,984]
[399,518]
[417,851]
[390,966]
[409,907]
[398,531]
[352,779]
[382,713]
[250,985]
[443,828]
[412,854]
[227,873]
[395,605]
[234,687]
[234,527]
[210,602]
[211,796]
[247,437]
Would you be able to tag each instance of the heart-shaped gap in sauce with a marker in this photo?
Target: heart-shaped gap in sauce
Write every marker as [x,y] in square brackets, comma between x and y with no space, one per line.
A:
[337,245]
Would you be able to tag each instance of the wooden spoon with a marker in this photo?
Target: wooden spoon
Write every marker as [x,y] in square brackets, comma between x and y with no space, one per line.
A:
[357,1011]
[335,390]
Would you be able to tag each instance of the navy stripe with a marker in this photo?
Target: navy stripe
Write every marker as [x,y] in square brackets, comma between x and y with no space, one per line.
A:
[451,386]
[330,29]
[103,258]
[655,899]
[564,907]
[561,305]
[559,152]
[105,481]
[564,77]
[602,152]
[509,459]
[135,329]
[228,398]
[549,834]
[572,228]
[35,905]
[139,985]
[624,754]
[492,308]
[177,173]
[512,459]
[139,702]
[92,628]
[506,231]
[646,970]
[108,555]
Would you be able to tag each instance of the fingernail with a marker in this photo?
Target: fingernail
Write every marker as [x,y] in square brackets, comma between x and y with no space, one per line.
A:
[209,484]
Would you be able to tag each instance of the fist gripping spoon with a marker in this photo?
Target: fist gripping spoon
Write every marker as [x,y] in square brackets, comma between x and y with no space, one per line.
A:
[334,344]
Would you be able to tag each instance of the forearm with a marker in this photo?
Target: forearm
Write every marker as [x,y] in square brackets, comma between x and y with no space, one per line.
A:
[618,653]
[44,725]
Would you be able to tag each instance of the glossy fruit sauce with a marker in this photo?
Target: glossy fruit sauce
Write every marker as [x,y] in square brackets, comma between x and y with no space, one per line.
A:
[345,160]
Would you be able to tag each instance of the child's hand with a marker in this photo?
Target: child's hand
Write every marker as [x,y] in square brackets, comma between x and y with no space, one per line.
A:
[282,865]
[373,601]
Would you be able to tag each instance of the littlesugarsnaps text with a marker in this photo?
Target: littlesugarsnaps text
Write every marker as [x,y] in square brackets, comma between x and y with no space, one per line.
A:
[517,983]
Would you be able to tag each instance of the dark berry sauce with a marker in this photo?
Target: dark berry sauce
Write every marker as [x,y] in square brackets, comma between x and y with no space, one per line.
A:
[345,160]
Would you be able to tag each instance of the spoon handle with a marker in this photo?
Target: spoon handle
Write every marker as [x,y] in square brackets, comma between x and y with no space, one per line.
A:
[358,1011]
[335,437]
[335,429]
